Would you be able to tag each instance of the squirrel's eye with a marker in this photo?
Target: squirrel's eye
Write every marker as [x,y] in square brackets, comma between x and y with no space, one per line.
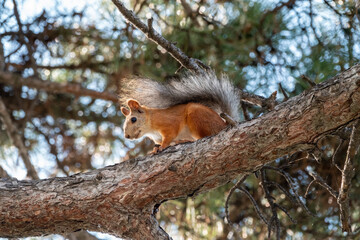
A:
[133,119]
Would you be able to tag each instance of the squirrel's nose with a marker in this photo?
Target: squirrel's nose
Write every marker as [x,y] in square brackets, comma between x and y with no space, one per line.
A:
[127,136]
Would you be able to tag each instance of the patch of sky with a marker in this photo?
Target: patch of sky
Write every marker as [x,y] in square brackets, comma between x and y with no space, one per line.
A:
[18,114]
[104,236]
[40,158]
[99,105]
[97,83]
[85,100]
[12,163]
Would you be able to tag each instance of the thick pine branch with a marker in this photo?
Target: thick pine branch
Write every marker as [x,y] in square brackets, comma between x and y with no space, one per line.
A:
[120,199]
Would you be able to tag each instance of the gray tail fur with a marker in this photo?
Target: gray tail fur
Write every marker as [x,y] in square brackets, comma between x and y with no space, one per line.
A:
[217,93]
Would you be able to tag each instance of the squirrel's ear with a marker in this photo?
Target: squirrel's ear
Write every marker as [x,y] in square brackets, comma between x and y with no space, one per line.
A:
[135,105]
[125,111]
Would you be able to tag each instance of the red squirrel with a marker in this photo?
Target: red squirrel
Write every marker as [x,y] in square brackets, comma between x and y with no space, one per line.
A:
[178,111]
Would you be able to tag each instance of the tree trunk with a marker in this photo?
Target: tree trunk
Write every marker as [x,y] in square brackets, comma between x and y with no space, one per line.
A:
[121,199]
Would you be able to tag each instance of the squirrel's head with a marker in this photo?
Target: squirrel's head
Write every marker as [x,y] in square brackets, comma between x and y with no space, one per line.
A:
[135,122]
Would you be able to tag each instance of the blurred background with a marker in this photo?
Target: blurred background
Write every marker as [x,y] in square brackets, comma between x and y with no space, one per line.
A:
[60,62]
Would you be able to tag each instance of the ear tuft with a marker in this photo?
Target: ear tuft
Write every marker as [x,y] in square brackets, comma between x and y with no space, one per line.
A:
[134,105]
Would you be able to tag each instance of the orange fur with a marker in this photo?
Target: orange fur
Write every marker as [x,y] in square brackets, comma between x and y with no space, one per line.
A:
[179,123]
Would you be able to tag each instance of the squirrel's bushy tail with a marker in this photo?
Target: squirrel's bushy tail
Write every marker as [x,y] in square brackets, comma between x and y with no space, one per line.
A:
[216,93]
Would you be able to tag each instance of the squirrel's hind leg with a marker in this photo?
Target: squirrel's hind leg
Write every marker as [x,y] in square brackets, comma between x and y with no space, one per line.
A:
[203,121]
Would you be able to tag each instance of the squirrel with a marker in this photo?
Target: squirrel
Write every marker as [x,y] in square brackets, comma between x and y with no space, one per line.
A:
[179,111]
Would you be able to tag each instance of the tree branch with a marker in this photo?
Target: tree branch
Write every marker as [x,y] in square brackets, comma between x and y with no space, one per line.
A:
[3,173]
[286,97]
[274,222]
[194,65]
[154,36]
[54,87]
[129,192]
[347,174]
[321,182]
[308,80]
[253,99]
[22,38]
[311,15]
[232,190]
[17,140]
[2,56]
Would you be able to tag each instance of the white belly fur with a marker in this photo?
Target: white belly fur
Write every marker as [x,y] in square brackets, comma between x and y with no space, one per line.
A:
[184,136]
[155,136]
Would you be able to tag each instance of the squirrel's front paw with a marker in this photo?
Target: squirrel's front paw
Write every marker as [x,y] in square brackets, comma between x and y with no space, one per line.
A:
[156,149]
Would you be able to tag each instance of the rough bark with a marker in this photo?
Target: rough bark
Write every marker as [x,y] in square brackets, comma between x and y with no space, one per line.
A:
[120,199]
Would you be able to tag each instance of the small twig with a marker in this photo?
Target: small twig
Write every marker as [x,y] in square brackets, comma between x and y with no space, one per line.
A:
[292,199]
[253,201]
[286,97]
[298,159]
[335,10]
[322,183]
[274,219]
[17,140]
[238,183]
[271,101]
[203,65]
[308,80]
[308,188]
[311,14]
[252,98]
[286,212]
[2,56]
[317,154]
[347,174]
[179,69]
[53,149]
[22,37]
[334,154]
[228,119]
[256,206]
[10,54]
[289,180]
